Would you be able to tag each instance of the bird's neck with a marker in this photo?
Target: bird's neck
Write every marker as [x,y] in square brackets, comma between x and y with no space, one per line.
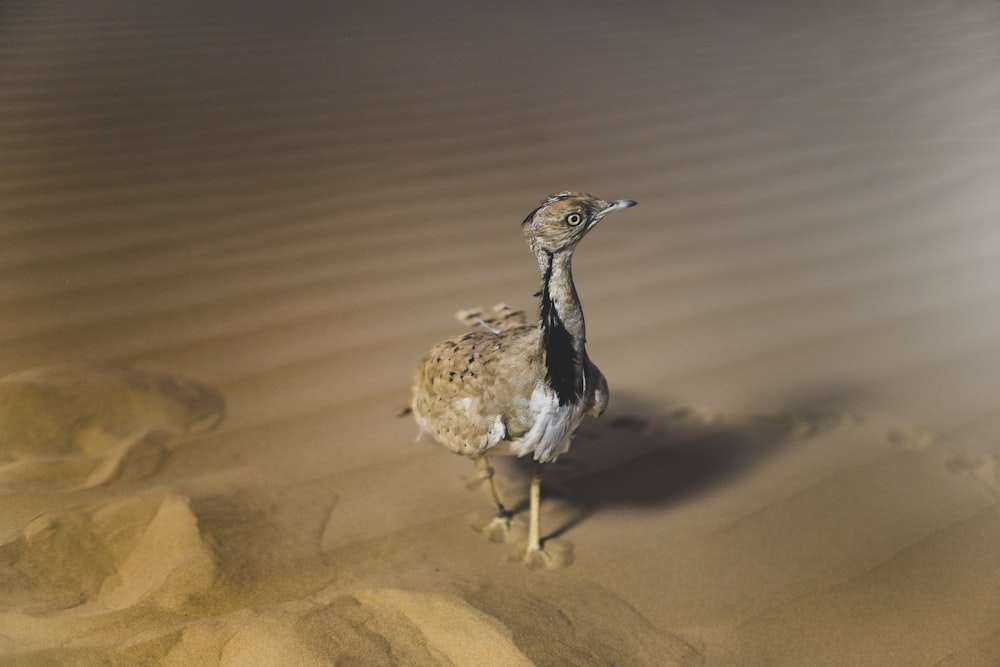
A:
[563,329]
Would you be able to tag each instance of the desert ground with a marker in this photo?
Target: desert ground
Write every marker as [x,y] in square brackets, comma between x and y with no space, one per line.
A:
[230,231]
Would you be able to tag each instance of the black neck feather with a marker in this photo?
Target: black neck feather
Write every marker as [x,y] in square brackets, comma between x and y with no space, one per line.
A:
[562,362]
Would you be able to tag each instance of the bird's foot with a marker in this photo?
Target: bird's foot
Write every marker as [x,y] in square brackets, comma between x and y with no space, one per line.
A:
[556,554]
[498,529]
[537,558]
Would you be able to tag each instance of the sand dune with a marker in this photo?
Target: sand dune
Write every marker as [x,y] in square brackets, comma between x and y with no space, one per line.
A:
[77,427]
[228,234]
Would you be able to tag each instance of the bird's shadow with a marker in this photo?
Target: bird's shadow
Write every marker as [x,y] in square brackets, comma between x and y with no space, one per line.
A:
[642,455]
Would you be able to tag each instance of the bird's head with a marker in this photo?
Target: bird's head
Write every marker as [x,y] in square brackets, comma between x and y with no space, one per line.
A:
[559,223]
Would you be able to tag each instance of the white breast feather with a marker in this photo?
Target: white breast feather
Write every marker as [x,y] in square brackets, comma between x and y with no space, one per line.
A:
[549,435]
[497,432]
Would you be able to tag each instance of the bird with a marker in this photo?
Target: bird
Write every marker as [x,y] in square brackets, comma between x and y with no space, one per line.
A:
[512,387]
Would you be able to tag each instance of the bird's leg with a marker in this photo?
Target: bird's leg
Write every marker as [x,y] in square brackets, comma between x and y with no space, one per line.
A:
[535,497]
[486,472]
[500,526]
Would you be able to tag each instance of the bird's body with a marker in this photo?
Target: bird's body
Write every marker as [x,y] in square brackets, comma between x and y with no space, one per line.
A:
[483,392]
[508,387]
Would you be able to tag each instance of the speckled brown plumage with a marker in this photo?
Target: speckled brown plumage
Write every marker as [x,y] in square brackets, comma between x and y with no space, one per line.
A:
[511,387]
[466,382]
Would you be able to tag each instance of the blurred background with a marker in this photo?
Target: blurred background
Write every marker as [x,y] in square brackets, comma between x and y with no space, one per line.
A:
[283,196]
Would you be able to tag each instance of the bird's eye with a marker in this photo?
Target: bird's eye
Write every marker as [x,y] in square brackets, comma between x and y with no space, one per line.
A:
[574,219]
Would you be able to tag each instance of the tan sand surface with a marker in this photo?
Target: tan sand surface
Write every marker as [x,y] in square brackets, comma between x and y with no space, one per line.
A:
[229,231]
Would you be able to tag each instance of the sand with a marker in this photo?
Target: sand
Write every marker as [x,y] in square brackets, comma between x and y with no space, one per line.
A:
[228,234]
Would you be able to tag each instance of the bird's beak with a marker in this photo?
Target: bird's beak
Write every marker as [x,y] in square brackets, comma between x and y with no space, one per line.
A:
[611,207]
[617,205]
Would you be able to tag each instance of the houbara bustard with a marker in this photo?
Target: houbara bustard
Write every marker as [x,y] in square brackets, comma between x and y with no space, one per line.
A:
[509,387]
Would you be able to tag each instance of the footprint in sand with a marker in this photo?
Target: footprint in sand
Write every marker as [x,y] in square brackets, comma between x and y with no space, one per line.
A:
[76,427]
[911,437]
[958,458]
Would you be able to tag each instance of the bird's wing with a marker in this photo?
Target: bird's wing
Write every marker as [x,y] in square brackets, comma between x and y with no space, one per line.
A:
[474,389]
[501,319]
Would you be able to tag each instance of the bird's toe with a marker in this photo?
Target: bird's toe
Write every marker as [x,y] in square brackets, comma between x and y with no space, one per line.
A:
[498,528]
[554,555]
[538,559]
